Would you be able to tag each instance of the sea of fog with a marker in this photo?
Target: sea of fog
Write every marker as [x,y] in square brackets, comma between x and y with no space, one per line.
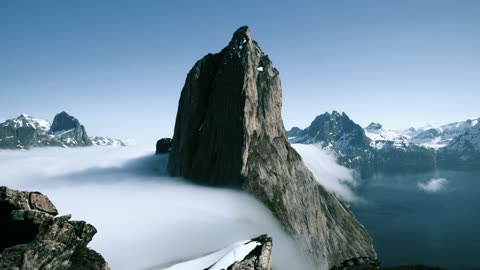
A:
[147,220]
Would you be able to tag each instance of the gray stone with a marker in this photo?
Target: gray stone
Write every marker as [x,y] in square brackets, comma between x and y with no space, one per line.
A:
[163,146]
[33,238]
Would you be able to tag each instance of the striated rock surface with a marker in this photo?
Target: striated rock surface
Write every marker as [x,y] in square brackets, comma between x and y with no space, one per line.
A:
[229,132]
[33,238]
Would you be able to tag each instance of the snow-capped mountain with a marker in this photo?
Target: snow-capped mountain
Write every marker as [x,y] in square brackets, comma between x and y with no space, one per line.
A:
[439,136]
[375,148]
[463,151]
[380,137]
[26,132]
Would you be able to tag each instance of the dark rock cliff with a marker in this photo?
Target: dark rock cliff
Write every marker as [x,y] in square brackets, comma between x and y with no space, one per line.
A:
[33,238]
[229,132]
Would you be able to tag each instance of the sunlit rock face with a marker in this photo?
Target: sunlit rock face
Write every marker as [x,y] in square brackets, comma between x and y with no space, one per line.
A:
[229,132]
[34,238]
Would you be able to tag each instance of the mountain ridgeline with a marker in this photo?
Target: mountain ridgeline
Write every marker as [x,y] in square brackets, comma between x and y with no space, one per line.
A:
[229,132]
[25,132]
[376,149]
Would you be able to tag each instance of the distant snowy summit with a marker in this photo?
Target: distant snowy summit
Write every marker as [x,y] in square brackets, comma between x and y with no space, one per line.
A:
[376,148]
[26,132]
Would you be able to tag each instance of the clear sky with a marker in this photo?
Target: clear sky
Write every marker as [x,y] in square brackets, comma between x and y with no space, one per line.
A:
[119,66]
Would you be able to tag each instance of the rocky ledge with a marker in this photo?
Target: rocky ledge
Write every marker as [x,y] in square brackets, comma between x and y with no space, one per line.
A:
[33,237]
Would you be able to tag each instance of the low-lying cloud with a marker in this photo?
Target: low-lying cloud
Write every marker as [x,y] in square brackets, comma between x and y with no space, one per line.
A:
[433,185]
[144,219]
[328,173]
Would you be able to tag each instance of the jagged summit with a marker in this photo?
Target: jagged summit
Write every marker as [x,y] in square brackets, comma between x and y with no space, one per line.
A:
[242,33]
[64,121]
[229,132]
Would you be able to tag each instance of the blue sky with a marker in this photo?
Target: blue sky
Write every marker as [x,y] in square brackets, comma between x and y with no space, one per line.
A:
[119,66]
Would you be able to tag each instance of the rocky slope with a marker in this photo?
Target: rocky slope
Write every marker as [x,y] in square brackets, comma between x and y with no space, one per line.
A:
[33,238]
[26,132]
[229,132]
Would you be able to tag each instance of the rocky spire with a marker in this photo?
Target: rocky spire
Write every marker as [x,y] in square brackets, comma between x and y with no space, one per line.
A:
[64,121]
[229,132]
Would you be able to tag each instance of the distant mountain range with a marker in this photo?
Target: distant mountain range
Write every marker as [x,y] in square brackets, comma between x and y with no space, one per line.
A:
[377,149]
[26,132]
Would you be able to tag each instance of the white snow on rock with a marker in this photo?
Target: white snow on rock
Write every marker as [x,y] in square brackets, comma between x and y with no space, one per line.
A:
[25,120]
[438,136]
[260,68]
[380,136]
[221,259]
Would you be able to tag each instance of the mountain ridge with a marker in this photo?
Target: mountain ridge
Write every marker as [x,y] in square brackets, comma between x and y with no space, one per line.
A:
[387,150]
[25,132]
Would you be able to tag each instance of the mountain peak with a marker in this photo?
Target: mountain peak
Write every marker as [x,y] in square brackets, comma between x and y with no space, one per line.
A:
[230,133]
[64,121]
[374,126]
[24,115]
[242,33]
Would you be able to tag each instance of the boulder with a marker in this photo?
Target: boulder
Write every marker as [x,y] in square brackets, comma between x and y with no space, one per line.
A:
[163,146]
[33,237]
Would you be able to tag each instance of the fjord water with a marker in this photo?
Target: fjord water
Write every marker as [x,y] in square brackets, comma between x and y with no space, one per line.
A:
[428,218]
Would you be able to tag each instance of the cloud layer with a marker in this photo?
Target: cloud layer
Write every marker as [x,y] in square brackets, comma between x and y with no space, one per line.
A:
[328,173]
[144,219]
[433,185]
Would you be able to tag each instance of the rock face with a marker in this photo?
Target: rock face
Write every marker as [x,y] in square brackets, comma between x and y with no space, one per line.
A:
[26,132]
[64,121]
[259,258]
[229,132]
[33,238]
[163,146]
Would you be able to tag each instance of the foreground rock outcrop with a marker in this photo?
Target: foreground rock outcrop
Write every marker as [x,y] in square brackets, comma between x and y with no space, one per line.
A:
[229,132]
[33,238]
[253,254]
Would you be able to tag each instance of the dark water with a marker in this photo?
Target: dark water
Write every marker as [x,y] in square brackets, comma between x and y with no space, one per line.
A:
[412,226]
